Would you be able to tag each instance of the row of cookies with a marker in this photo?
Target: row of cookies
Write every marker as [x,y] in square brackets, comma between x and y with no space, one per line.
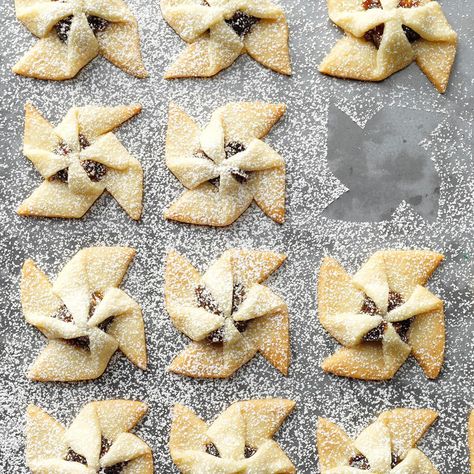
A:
[381,37]
[238,441]
[381,314]
[224,166]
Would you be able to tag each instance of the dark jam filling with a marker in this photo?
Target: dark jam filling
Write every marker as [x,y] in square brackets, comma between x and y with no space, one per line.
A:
[375,35]
[116,468]
[395,460]
[63,314]
[72,456]
[231,149]
[97,24]
[206,301]
[249,451]
[242,23]
[376,334]
[359,462]
[212,450]
[95,170]
[63,27]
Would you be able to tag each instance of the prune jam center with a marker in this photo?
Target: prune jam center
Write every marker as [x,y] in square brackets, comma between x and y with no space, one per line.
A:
[375,35]
[231,149]
[242,23]
[212,450]
[249,451]
[395,460]
[74,457]
[115,469]
[63,314]
[206,300]
[95,170]
[63,27]
[97,24]
[369,307]
[359,462]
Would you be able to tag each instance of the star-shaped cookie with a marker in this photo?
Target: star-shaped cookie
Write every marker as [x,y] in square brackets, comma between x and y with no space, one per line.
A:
[71,33]
[239,440]
[97,441]
[79,160]
[384,36]
[84,315]
[382,314]
[227,313]
[219,31]
[226,165]
[387,446]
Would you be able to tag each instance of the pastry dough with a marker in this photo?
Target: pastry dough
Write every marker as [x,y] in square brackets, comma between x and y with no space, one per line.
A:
[98,440]
[227,313]
[384,36]
[71,33]
[226,165]
[84,315]
[219,31]
[387,446]
[382,314]
[79,160]
[239,441]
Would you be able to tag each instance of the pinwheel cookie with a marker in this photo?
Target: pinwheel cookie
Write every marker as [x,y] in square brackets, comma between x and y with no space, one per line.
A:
[384,36]
[84,315]
[382,314]
[98,440]
[239,441]
[219,31]
[79,160]
[227,313]
[387,446]
[71,33]
[226,165]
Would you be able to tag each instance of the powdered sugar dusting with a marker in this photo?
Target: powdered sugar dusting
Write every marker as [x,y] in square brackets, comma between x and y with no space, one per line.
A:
[301,137]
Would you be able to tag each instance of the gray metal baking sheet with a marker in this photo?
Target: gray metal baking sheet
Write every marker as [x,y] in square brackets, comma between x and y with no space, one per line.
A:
[370,166]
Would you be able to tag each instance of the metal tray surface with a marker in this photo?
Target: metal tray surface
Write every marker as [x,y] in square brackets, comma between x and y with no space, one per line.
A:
[370,166]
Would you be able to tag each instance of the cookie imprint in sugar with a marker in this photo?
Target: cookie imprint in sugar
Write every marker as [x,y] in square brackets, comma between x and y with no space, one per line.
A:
[383,169]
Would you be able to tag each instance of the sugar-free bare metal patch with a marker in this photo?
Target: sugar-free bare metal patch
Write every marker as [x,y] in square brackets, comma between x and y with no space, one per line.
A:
[227,313]
[71,33]
[388,445]
[384,36]
[79,160]
[97,440]
[226,165]
[219,31]
[382,314]
[84,315]
[238,441]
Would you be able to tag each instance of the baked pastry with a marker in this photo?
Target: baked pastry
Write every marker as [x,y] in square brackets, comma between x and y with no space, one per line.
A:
[219,31]
[227,313]
[239,440]
[226,165]
[98,440]
[382,314]
[84,315]
[387,446]
[384,36]
[471,440]
[71,33]
[79,160]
